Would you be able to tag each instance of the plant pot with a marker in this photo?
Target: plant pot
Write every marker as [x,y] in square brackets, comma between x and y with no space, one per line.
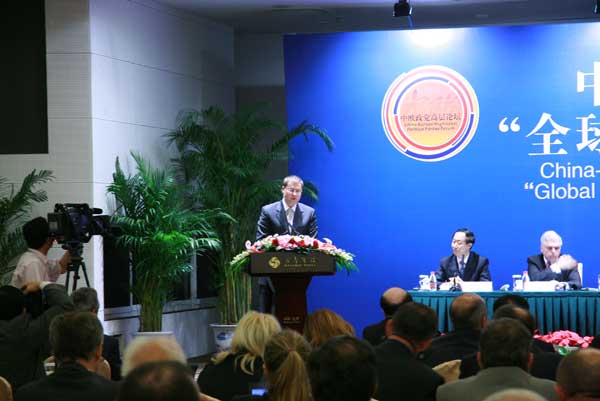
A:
[223,334]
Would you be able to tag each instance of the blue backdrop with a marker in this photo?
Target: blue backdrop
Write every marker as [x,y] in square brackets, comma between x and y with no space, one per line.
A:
[397,213]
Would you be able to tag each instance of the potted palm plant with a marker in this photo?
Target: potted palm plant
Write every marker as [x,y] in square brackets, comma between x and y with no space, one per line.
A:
[161,233]
[14,209]
[221,160]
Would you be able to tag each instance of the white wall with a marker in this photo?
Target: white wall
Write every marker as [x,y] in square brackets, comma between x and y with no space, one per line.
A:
[118,73]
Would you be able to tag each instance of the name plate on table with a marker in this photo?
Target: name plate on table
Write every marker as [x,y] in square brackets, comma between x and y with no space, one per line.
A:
[477,286]
[275,263]
[540,286]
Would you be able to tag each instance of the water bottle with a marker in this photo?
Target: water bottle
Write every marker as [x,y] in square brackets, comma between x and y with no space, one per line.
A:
[525,279]
[432,282]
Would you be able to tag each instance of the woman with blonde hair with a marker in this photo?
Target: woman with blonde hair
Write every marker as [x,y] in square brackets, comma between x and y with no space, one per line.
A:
[232,372]
[285,371]
[322,324]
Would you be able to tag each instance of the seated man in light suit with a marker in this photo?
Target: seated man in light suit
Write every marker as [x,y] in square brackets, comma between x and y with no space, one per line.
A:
[287,216]
[551,265]
[463,265]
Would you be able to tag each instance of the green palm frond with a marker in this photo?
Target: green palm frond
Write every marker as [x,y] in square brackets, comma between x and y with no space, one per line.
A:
[15,206]
[224,160]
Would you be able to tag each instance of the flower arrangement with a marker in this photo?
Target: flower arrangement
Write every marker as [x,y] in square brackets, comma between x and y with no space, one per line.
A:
[565,341]
[294,243]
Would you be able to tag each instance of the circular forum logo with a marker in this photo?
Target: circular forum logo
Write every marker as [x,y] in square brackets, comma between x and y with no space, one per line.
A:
[430,113]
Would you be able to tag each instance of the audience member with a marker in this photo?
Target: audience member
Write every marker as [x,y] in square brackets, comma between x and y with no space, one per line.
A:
[468,313]
[86,299]
[389,302]
[232,372]
[322,324]
[76,340]
[34,264]
[551,265]
[5,390]
[23,338]
[504,356]
[343,369]
[578,376]
[517,300]
[151,349]
[401,375]
[159,381]
[515,394]
[463,264]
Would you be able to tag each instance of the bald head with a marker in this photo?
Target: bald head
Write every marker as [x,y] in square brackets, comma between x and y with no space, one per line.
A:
[392,298]
[151,349]
[468,311]
[579,374]
[514,394]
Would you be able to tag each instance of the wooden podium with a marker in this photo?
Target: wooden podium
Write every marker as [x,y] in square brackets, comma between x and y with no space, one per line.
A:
[290,273]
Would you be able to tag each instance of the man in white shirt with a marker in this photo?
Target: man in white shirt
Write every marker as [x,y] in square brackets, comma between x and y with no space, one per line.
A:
[34,264]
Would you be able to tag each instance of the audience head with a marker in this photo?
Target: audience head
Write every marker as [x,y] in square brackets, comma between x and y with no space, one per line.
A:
[578,375]
[36,232]
[415,323]
[12,302]
[151,349]
[343,369]
[285,370]
[517,313]
[76,336]
[505,342]
[249,339]
[323,324]
[468,311]
[391,299]
[5,390]
[85,299]
[515,394]
[159,381]
[550,245]
[511,299]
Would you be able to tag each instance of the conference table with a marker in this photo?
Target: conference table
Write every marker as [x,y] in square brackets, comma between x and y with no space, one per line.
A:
[577,311]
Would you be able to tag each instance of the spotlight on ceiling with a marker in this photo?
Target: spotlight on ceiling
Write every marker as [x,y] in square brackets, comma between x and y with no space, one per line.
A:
[403,8]
[597,7]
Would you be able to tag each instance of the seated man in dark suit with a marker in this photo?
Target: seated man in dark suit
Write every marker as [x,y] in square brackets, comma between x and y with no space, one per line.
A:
[391,299]
[342,369]
[552,265]
[401,375]
[76,340]
[85,299]
[463,264]
[23,337]
[544,363]
[469,316]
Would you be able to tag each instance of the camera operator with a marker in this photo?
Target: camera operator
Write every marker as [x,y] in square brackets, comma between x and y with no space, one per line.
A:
[34,264]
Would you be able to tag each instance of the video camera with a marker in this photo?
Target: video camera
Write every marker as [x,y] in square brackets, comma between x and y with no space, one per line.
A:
[76,223]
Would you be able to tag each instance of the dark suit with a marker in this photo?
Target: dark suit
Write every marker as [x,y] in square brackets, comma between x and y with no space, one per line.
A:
[401,376]
[273,220]
[375,333]
[227,379]
[537,270]
[476,269]
[72,382]
[454,345]
[23,339]
[110,352]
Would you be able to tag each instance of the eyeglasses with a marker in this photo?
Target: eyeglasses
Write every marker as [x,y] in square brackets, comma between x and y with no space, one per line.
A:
[293,191]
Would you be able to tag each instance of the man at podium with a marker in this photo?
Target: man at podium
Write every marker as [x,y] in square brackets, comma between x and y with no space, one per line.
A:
[287,216]
[463,264]
[552,265]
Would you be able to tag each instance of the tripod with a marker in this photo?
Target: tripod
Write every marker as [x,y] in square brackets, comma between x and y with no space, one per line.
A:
[75,249]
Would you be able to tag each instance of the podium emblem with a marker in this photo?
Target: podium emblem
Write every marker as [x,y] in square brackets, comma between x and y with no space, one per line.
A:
[274,262]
